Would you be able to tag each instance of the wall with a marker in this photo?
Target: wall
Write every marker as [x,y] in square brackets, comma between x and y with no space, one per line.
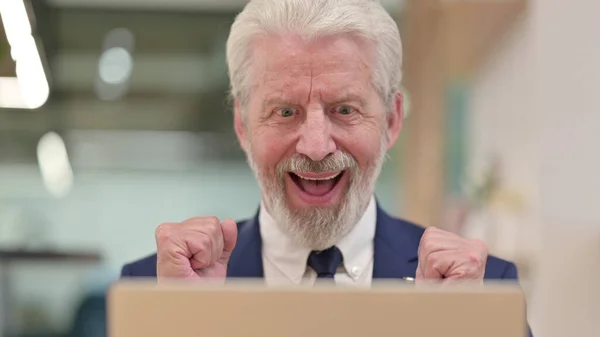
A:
[536,104]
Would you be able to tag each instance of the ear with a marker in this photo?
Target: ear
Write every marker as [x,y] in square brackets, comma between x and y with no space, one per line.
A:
[238,120]
[394,120]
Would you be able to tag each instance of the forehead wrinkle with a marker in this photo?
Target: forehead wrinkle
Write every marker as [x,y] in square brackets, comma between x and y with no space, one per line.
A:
[288,74]
[324,77]
[287,89]
[333,67]
[309,73]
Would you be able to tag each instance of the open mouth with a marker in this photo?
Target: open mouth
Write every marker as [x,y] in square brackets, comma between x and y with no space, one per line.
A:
[316,184]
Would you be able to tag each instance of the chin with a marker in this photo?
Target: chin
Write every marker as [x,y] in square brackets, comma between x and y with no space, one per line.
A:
[318,221]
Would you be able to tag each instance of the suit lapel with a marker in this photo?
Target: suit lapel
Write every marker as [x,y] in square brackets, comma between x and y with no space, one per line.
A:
[396,246]
[246,259]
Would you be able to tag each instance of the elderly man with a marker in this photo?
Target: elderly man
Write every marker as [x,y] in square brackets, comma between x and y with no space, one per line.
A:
[316,86]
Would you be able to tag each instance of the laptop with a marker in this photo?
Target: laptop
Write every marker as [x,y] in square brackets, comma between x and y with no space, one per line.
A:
[145,309]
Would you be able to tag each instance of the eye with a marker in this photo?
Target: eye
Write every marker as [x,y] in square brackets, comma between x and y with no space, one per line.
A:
[286,112]
[344,110]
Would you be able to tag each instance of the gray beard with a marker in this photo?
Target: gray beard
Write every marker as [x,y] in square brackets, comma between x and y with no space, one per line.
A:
[318,228]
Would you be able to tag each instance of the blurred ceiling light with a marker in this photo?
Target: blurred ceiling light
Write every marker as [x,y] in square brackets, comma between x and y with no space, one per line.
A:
[54,165]
[10,93]
[115,65]
[15,20]
[31,75]
[33,85]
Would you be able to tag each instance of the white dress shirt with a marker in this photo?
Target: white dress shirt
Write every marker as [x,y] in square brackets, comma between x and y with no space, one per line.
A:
[285,262]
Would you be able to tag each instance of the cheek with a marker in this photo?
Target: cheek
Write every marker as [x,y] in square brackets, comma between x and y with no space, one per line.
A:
[269,149]
[366,148]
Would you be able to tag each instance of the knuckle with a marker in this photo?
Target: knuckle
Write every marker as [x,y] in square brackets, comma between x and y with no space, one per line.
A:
[207,224]
[210,225]
[210,233]
[475,261]
[163,231]
[480,246]
[205,242]
[429,230]
[429,235]
[212,220]
[202,220]
[473,258]
[215,225]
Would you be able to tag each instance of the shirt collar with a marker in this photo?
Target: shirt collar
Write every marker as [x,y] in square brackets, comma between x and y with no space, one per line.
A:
[290,258]
[357,246]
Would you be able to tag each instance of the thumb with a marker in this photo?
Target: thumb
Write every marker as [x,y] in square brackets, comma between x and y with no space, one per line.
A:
[230,233]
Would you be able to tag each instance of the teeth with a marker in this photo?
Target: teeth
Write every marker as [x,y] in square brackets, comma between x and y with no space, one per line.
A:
[324,178]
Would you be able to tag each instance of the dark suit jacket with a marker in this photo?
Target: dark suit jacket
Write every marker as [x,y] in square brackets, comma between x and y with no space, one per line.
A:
[396,245]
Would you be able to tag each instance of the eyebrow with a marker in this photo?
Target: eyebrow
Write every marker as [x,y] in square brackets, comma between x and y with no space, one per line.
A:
[270,101]
[350,98]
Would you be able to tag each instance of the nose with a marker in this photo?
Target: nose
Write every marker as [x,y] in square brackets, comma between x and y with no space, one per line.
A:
[315,139]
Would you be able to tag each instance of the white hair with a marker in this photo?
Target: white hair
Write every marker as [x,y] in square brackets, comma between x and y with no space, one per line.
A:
[312,19]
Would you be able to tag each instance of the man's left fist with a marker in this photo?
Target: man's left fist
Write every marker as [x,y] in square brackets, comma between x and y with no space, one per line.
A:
[449,257]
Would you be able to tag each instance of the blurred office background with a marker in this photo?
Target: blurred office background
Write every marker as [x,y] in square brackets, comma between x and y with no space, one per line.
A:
[114,118]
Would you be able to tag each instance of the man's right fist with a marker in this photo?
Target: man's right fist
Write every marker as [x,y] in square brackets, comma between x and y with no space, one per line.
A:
[196,248]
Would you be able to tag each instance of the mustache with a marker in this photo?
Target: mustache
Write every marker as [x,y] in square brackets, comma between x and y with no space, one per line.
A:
[337,161]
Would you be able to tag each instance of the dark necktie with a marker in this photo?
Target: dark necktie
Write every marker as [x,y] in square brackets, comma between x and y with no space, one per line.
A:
[325,262]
